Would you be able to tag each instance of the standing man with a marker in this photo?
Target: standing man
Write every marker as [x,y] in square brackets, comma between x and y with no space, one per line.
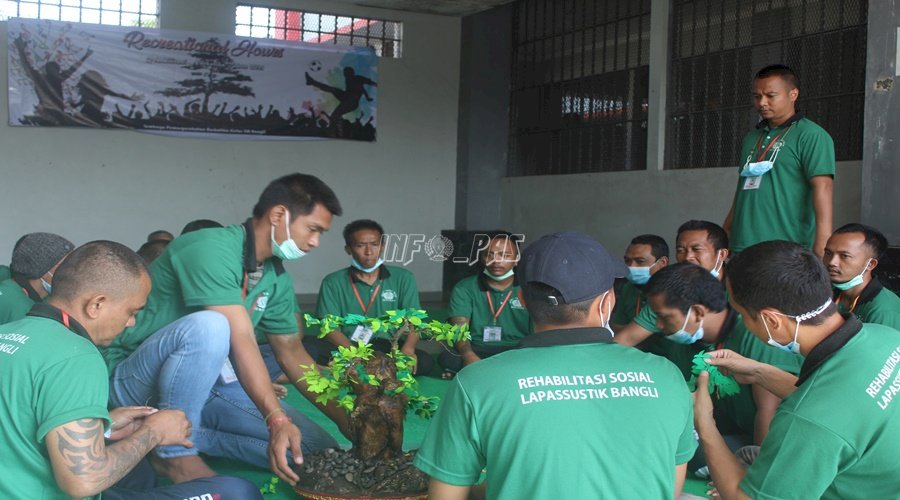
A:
[212,291]
[369,287]
[491,304]
[784,191]
[851,256]
[837,432]
[35,258]
[51,429]
[545,418]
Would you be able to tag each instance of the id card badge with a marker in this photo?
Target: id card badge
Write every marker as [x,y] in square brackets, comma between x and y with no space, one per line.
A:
[492,333]
[752,182]
[362,333]
[227,375]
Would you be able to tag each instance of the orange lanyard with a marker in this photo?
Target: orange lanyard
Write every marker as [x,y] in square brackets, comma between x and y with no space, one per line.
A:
[771,143]
[637,307]
[362,305]
[502,305]
[853,305]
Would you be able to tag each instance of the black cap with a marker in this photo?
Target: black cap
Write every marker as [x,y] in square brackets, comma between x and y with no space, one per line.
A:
[573,263]
[37,253]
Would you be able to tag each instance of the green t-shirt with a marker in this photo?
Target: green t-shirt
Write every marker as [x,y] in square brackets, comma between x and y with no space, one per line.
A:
[14,301]
[736,414]
[211,267]
[5,273]
[780,206]
[469,300]
[50,376]
[838,435]
[568,411]
[630,301]
[395,287]
[876,304]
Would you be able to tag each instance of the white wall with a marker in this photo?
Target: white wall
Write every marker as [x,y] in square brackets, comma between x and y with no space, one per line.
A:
[120,185]
[614,207]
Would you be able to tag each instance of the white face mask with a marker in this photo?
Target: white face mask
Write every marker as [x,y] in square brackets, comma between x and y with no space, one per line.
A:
[287,249]
[855,281]
[605,321]
[793,346]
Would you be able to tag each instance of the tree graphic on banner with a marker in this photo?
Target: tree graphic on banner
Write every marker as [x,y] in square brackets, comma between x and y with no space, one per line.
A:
[215,72]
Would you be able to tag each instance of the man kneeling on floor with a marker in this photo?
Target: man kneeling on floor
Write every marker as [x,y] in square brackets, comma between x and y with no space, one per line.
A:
[54,397]
[569,411]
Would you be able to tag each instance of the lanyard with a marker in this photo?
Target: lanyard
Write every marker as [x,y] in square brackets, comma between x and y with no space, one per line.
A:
[365,308]
[853,305]
[637,307]
[771,143]
[502,304]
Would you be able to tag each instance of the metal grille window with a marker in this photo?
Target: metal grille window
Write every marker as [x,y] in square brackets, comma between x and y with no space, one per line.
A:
[282,24]
[144,13]
[717,47]
[579,86]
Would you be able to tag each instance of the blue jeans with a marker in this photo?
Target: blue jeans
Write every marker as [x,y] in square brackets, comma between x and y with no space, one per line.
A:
[175,368]
[233,427]
[141,484]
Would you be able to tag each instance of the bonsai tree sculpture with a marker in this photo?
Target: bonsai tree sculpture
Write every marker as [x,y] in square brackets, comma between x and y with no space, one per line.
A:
[378,389]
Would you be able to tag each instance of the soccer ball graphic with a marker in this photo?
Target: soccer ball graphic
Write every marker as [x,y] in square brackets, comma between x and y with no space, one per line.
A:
[315,66]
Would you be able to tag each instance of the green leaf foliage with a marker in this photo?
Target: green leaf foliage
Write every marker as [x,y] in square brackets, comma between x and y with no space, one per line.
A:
[718,381]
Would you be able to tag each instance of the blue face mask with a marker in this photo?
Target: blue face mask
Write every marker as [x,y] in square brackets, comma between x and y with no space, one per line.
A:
[502,277]
[640,275]
[47,286]
[793,346]
[716,268]
[756,169]
[855,281]
[683,337]
[287,249]
[357,265]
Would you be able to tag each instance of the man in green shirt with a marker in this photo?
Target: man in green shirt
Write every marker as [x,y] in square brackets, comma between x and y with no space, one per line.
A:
[369,287]
[51,429]
[691,306]
[784,191]
[851,256]
[491,304]
[34,260]
[837,431]
[699,242]
[645,255]
[569,411]
[195,346]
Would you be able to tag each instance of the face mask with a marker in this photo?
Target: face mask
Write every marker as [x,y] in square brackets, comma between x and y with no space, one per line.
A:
[793,346]
[640,275]
[683,337]
[47,286]
[287,249]
[856,280]
[608,315]
[715,270]
[756,169]
[502,277]
[357,265]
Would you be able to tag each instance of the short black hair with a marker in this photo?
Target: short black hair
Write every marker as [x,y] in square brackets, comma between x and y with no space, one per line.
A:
[782,71]
[196,225]
[782,275]
[359,225]
[152,249]
[658,246]
[714,232]
[160,234]
[98,267]
[543,312]
[875,239]
[300,193]
[684,284]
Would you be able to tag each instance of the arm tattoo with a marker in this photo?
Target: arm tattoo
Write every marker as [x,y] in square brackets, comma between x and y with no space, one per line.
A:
[86,457]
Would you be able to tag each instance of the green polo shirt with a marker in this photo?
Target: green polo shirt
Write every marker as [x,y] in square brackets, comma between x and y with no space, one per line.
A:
[781,207]
[569,411]
[469,300]
[15,301]
[5,273]
[51,376]
[630,301]
[876,304]
[206,268]
[838,435]
[395,286]
[737,414]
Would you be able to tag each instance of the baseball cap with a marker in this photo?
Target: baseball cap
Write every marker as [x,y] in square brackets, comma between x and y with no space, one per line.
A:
[573,263]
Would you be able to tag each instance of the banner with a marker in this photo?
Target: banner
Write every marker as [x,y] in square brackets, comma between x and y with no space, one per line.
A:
[186,83]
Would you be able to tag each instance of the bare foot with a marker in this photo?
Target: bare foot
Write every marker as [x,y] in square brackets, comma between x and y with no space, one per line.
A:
[280,390]
[181,469]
